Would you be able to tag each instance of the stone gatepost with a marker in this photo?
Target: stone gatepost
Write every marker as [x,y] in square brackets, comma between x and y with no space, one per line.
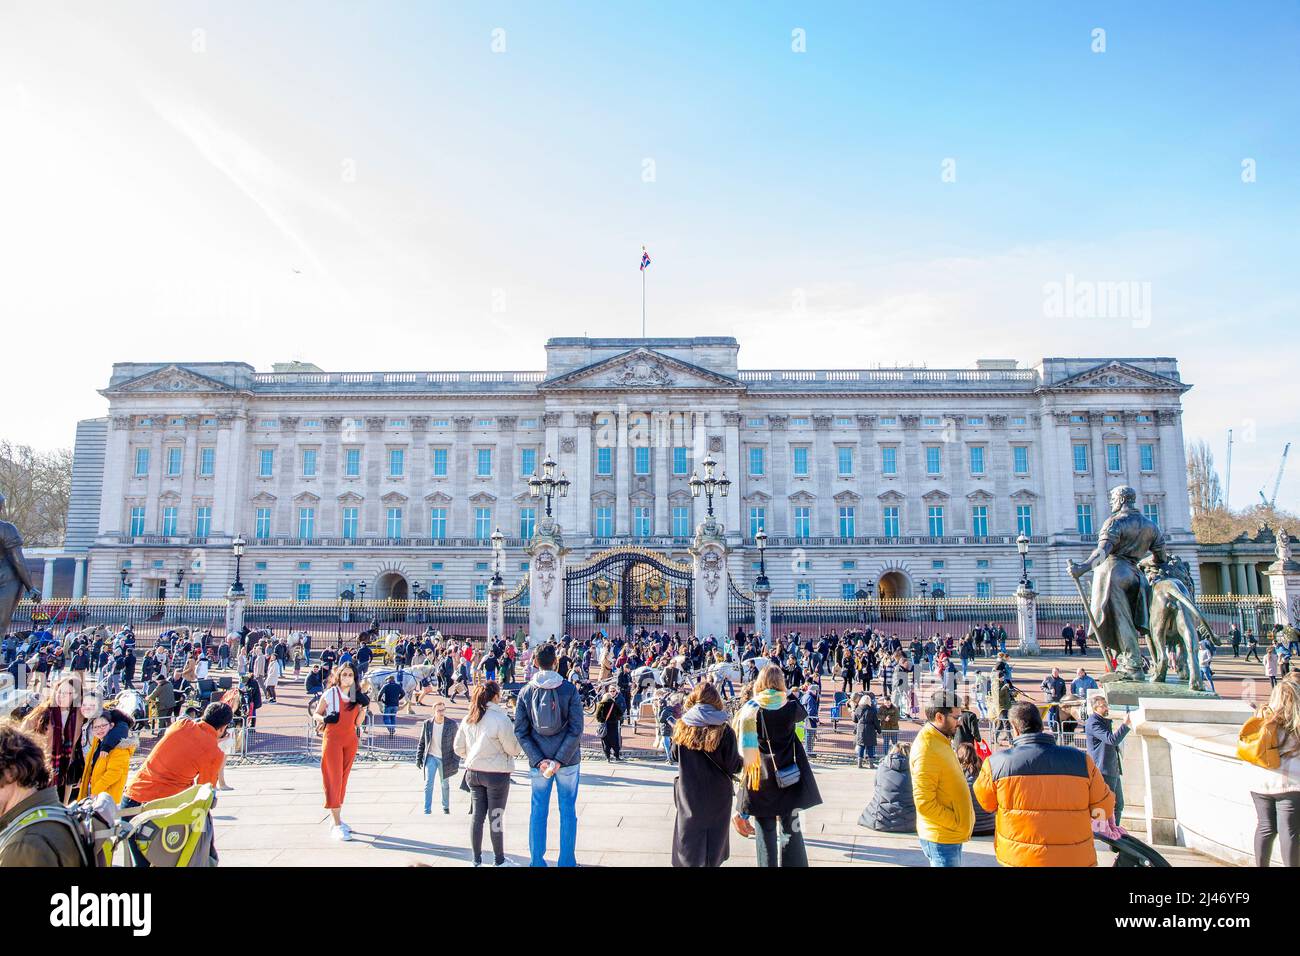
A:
[1284,580]
[763,609]
[1027,621]
[496,609]
[546,583]
[235,609]
[709,551]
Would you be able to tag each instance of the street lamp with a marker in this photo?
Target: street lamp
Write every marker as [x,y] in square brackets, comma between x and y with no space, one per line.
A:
[126,585]
[867,586]
[709,485]
[1022,545]
[498,543]
[925,588]
[237,549]
[548,486]
[760,539]
[362,586]
[180,577]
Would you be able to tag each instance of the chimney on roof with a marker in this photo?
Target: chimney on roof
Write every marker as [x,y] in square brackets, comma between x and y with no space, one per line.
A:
[991,364]
[295,366]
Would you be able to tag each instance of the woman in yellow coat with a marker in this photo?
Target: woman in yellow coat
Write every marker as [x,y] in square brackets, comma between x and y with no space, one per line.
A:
[109,747]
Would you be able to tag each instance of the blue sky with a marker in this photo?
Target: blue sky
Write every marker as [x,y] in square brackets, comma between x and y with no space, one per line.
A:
[374,187]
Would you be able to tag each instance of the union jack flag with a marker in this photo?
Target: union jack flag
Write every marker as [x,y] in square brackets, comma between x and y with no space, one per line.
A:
[645,259]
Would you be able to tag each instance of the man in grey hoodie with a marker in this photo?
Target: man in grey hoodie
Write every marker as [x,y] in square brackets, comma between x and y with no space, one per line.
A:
[548,723]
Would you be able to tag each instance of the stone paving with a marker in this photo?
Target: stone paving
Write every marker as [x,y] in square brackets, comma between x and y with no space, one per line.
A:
[274,817]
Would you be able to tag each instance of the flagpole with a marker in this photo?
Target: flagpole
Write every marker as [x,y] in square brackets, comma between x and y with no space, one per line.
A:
[642,302]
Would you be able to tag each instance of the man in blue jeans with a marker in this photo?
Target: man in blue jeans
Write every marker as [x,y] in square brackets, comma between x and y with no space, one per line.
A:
[548,723]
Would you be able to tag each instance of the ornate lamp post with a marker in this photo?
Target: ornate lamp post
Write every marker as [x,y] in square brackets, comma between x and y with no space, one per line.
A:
[760,539]
[237,549]
[925,588]
[1022,545]
[126,585]
[548,486]
[498,544]
[362,588]
[709,485]
[180,577]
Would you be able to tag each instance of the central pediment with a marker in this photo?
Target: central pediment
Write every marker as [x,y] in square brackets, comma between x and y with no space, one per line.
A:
[641,369]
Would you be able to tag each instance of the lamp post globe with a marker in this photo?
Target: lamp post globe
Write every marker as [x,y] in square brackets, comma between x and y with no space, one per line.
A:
[237,545]
[1022,545]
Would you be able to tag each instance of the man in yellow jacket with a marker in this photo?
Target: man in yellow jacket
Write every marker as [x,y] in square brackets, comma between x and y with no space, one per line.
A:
[945,816]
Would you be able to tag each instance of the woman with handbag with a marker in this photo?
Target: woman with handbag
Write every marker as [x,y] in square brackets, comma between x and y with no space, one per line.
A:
[777,781]
[1272,740]
[342,711]
[487,743]
[708,757]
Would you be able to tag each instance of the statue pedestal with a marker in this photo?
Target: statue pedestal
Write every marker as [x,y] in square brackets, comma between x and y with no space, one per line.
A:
[1130,693]
[1027,622]
[710,586]
[1284,586]
[763,610]
[496,610]
[235,609]
[546,583]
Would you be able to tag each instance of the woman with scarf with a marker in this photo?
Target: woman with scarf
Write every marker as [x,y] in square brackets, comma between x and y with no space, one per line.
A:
[708,758]
[57,723]
[777,781]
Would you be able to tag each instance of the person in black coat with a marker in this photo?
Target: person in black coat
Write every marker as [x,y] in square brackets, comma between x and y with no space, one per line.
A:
[608,714]
[866,727]
[708,758]
[971,762]
[891,809]
[778,748]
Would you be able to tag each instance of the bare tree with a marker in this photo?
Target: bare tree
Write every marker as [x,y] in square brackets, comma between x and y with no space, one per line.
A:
[1203,480]
[36,486]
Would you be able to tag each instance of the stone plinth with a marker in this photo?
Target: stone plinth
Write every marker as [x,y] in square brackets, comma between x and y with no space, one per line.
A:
[709,551]
[235,609]
[546,583]
[1027,622]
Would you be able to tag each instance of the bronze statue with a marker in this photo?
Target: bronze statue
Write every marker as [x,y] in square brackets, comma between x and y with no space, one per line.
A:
[14,577]
[1121,594]
[1175,620]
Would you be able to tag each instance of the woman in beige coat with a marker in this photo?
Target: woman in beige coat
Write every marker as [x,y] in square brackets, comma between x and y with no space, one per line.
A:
[487,744]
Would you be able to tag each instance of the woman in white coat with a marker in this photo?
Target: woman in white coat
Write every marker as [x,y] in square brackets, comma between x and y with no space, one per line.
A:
[487,744]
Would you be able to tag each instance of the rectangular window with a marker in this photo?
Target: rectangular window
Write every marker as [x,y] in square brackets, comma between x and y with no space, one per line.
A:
[641,522]
[352,463]
[141,462]
[681,521]
[803,522]
[983,589]
[679,460]
[194,591]
[175,455]
[848,565]
[979,521]
[207,462]
[203,522]
[847,590]
[800,462]
[848,521]
[527,522]
[641,460]
[480,592]
[304,591]
[889,460]
[756,462]
[889,522]
[1083,518]
[1114,457]
[604,522]
[1025,520]
[437,523]
[1147,453]
[1020,459]
[844,457]
[803,591]
[483,457]
[350,521]
[604,461]
[757,520]
[304,565]
[977,459]
[396,462]
[393,522]
[440,463]
[1152,513]
[307,523]
[527,461]
[933,459]
[1080,458]
[169,520]
[436,592]
[930,420]
[262,525]
[309,462]
[483,523]
[259,591]
[757,422]
[137,522]
[935,515]
[265,462]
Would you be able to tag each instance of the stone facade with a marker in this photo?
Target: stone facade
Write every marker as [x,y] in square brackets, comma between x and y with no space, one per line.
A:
[861,477]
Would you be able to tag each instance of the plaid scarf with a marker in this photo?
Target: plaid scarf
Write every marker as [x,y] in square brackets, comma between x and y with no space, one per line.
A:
[747,730]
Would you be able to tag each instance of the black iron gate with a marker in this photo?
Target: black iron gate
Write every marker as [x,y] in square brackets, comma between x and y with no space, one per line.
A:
[627,589]
[740,607]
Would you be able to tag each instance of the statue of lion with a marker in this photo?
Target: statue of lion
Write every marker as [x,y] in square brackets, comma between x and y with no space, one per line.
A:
[1175,620]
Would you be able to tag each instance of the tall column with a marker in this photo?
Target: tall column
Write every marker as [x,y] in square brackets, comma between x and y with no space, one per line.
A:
[460,524]
[152,520]
[576,515]
[79,579]
[731,468]
[662,440]
[1173,470]
[1057,470]
[1098,452]
[189,472]
[823,463]
[1252,577]
[869,483]
[912,471]
[1239,578]
[47,580]
[622,476]
[778,466]
[417,521]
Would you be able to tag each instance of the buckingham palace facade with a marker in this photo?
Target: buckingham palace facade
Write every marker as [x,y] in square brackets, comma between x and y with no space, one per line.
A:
[889,481]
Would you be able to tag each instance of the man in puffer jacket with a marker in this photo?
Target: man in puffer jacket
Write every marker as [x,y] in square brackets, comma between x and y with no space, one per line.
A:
[944,812]
[891,809]
[548,723]
[1045,795]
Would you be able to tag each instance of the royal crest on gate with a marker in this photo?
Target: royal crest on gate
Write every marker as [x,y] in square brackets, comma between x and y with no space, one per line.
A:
[602,592]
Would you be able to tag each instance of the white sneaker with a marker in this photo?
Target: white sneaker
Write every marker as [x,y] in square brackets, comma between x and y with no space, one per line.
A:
[341,832]
[506,862]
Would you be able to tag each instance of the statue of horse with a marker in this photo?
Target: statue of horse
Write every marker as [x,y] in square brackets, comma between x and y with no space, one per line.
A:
[1175,620]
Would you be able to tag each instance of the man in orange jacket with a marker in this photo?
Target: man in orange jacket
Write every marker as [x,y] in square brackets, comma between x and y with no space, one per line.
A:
[1046,797]
[187,754]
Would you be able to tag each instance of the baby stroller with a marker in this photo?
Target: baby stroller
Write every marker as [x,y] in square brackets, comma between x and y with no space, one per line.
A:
[1128,849]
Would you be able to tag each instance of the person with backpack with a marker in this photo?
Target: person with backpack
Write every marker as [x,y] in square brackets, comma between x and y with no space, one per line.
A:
[548,724]
[34,827]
